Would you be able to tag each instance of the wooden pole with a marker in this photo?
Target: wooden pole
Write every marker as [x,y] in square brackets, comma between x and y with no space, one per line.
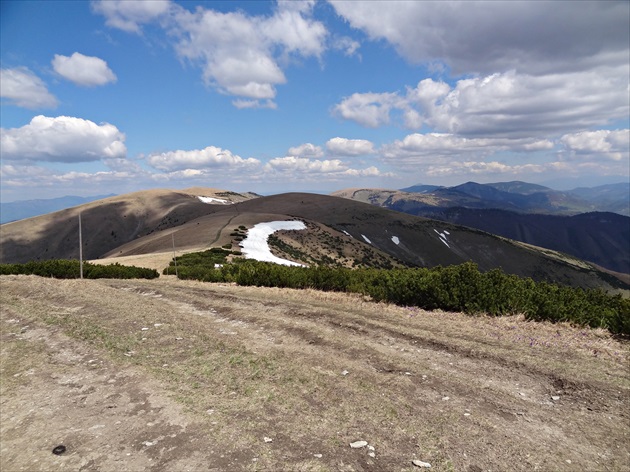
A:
[174,258]
[80,247]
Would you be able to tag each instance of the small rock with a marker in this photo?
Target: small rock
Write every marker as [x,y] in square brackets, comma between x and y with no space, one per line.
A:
[319,456]
[358,444]
[555,398]
[157,325]
[418,463]
[372,454]
[446,398]
[371,448]
[268,440]
[145,329]
[345,372]
[466,414]
[521,394]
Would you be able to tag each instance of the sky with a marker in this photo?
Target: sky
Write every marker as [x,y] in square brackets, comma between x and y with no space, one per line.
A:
[116,96]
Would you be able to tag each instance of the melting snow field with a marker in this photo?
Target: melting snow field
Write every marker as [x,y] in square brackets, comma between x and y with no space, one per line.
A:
[366,239]
[214,200]
[255,245]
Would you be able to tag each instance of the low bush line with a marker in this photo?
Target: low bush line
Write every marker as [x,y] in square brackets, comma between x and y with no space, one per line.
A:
[461,288]
[70,269]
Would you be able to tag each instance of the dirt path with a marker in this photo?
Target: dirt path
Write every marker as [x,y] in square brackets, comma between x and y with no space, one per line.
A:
[173,375]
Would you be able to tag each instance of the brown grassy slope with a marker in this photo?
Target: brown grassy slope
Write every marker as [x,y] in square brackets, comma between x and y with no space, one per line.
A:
[106,224]
[173,375]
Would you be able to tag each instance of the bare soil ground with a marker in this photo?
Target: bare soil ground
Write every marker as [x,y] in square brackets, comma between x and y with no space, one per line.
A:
[172,375]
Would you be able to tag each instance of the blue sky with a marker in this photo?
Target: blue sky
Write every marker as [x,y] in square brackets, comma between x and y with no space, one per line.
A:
[119,96]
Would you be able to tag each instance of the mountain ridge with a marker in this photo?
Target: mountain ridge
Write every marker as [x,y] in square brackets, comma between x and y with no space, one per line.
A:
[340,230]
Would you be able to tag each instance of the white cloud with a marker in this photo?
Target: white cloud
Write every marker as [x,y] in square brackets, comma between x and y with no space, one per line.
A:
[241,103]
[502,104]
[484,37]
[349,147]
[241,54]
[129,15]
[210,157]
[302,164]
[608,144]
[368,109]
[419,147]
[62,139]
[306,150]
[24,89]
[83,70]
[300,168]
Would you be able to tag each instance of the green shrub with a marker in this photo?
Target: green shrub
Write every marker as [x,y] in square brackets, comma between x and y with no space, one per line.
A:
[71,269]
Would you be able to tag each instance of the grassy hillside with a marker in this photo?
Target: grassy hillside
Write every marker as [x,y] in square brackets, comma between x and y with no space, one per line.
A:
[107,224]
[601,238]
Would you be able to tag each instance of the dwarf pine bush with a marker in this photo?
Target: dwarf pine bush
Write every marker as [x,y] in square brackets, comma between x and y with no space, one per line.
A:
[460,288]
[70,269]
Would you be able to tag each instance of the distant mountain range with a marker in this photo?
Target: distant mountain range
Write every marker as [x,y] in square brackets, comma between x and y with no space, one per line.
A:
[340,232]
[14,211]
[588,223]
[530,198]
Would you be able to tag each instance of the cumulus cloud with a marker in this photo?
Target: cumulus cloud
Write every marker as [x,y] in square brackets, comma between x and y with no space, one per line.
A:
[349,147]
[609,144]
[501,104]
[306,150]
[301,168]
[368,109]
[430,145]
[208,158]
[62,139]
[485,37]
[24,89]
[241,54]
[83,70]
[130,15]
[302,164]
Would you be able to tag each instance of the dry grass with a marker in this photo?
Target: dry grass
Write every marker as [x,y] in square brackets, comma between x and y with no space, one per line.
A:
[315,371]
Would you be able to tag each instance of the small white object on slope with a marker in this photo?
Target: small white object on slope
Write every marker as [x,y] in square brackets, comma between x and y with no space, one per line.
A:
[418,463]
[358,444]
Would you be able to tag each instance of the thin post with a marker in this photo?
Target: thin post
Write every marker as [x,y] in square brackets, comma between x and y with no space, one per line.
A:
[80,246]
[174,258]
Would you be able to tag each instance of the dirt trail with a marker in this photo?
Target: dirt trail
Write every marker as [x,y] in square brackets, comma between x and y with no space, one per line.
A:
[173,375]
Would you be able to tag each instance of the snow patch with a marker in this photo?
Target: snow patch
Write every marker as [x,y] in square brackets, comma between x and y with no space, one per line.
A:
[443,237]
[367,240]
[214,200]
[395,240]
[255,245]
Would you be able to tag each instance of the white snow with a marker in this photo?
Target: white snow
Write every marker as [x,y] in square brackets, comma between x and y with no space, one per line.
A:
[396,240]
[367,240]
[255,245]
[214,200]
[443,237]
[346,233]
